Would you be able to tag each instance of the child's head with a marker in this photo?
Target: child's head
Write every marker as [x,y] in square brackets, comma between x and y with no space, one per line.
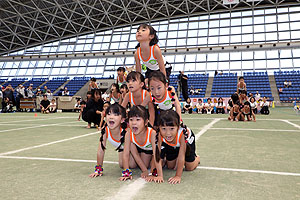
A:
[169,122]
[199,100]
[45,97]
[252,99]
[115,114]
[220,99]
[158,84]
[121,71]
[138,118]
[265,99]
[114,87]
[89,94]
[53,100]
[188,100]
[209,100]
[243,93]
[235,98]
[146,32]
[124,88]
[135,81]
[247,106]
[96,94]
[106,105]
[241,79]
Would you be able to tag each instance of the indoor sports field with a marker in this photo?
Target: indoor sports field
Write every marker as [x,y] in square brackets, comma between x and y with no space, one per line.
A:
[51,156]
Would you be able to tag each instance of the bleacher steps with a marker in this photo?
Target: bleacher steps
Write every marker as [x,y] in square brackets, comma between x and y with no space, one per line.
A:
[274,88]
[63,85]
[209,87]
[83,90]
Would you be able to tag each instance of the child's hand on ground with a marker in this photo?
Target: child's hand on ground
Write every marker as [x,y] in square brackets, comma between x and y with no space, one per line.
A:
[174,180]
[158,179]
[144,174]
[124,178]
[95,174]
[149,178]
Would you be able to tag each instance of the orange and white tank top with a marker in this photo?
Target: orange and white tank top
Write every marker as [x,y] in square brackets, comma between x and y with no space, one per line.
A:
[147,144]
[151,61]
[131,97]
[112,140]
[120,83]
[166,103]
[178,137]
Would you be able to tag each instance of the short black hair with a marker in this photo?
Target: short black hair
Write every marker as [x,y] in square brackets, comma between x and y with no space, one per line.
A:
[241,78]
[121,69]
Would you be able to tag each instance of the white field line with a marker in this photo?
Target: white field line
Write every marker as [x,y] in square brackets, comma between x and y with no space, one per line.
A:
[111,162]
[36,126]
[35,119]
[127,192]
[205,128]
[46,144]
[260,129]
[197,118]
[287,121]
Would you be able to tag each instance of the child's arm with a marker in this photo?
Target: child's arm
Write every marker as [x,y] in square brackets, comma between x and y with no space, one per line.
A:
[100,158]
[126,173]
[138,66]
[158,165]
[180,162]
[102,119]
[125,101]
[151,113]
[254,119]
[160,60]
[134,152]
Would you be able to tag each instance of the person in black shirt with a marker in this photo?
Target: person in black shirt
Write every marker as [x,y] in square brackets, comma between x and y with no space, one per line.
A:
[92,112]
[184,85]
[45,105]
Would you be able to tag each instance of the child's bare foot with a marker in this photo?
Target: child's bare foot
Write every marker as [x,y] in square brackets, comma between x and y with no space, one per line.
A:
[88,126]
[198,159]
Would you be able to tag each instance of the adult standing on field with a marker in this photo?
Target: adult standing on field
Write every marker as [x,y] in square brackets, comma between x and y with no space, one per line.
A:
[184,85]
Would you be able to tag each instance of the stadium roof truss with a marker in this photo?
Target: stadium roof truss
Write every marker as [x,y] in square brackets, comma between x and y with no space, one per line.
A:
[27,23]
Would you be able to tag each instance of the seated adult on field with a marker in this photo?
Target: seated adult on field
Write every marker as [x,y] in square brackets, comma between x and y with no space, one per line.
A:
[92,112]
[45,105]
[264,106]
[220,106]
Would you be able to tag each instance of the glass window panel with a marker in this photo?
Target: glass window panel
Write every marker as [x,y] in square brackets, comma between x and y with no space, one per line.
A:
[101,61]
[247,55]
[171,42]
[98,39]
[235,65]
[193,25]
[192,33]
[271,27]
[79,47]
[285,53]
[90,70]
[212,66]
[247,65]
[106,39]
[190,58]
[283,26]
[284,35]
[260,64]
[271,36]
[163,27]
[203,24]
[236,30]
[224,31]
[49,63]
[58,63]
[24,64]
[62,48]
[116,38]
[236,22]
[181,42]
[119,61]
[114,45]
[200,66]
[259,20]
[81,41]
[224,39]
[214,16]
[201,58]
[213,40]
[247,21]
[295,34]
[214,23]
[271,19]
[97,47]
[64,70]
[83,62]
[236,14]
[99,70]
[259,28]
[223,56]
[93,61]
[81,70]
[29,71]
[235,56]
[296,63]
[259,55]
[173,26]
[170,58]
[162,35]
[247,29]
[15,64]
[38,71]
[111,61]
[183,25]
[202,41]
[87,47]
[189,66]
[296,8]
[224,15]
[225,23]
[213,32]
[259,12]
[179,58]
[21,72]
[259,37]
[296,53]
[172,34]
[285,63]
[203,32]
[235,39]
[272,63]
[212,57]
[32,64]
[270,11]
[247,38]
[223,65]
[46,71]
[75,63]
[283,18]
[162,43]
[5,72]
[272,54]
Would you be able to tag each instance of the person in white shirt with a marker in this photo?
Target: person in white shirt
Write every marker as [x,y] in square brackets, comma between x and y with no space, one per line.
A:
[286,84]
[209,106]
[264,107]
[200,106]
[220,106]
[290,84]
[253,105]
[257,95]
[65,92]
[52,106]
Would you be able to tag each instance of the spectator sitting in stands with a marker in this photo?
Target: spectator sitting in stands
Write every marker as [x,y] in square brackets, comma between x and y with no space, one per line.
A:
[49,95]
[30,93]
[220,106]
[200,107]
[286,84]
[44,91]
[45,105]
[52,106]
[38,92]
[280,90]
[7,105]
[250,94]
[209,106]
[187,106]
[257,95]
[192,91]
[290,84]
[65,92]
[264,107]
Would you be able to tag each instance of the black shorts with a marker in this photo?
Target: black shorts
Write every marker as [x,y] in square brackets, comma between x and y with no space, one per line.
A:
[149,71]
[171,153]
[150,152]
